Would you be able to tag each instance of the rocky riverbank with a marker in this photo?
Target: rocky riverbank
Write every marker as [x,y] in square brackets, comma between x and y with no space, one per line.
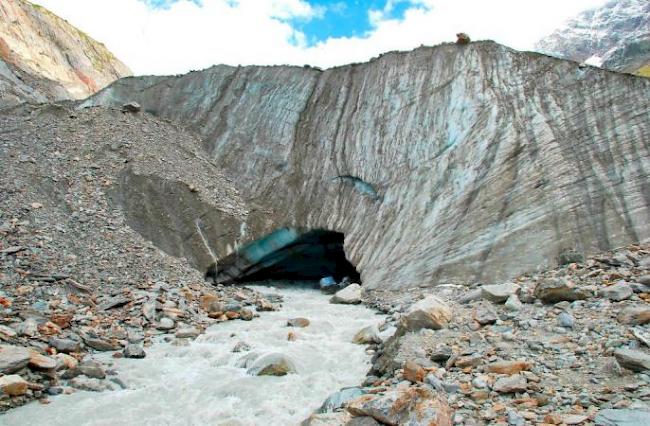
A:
[565,346]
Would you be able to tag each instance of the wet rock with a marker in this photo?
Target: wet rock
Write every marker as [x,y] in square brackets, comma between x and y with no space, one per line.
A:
[484,314]
[275,364]
[246,314]
[92,369]
[13,358]
[512,384]
[263,305]
[298,322]
[508,367]
[622,417]
[13,385]
[430,312]
[134,351]
[413,372]
[339,398]
[367,336]
[634,315]
[632,359]
[42,362]
[405,405]
[555,290]
[617,292]
[241,347]
[65,345]
[350,295]
[499,293]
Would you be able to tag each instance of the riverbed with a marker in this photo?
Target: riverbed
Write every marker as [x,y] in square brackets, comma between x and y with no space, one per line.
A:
[204,384]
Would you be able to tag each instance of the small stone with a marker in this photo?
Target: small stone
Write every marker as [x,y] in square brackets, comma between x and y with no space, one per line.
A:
[241,346]
[134,351]
[187,333]
[565,320]
[617,292]
[13,358]
[100,344]
[165,324]
[367,336]
[298,322]
[350,295]
[484,314]
[65,361]
[511,384]
[13,385]
[92,369]
[413,372]
[429,313]
[65,345]
[632,359]
[131,107]
[508,367]
[499,293]
[513,304]
[634,315]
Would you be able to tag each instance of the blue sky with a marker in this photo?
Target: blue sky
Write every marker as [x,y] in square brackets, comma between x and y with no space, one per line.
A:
[175,36]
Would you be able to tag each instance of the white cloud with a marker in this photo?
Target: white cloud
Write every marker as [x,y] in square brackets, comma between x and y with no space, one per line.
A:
[188,36]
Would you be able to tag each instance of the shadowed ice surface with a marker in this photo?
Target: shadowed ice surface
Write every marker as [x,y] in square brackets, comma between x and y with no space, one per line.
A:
[200,384]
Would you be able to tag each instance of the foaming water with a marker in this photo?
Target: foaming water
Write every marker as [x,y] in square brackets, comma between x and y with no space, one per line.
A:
[200,384]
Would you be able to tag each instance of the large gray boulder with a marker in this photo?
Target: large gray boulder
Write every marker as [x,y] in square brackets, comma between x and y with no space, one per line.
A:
[350,295]
[13,358]
[430,312]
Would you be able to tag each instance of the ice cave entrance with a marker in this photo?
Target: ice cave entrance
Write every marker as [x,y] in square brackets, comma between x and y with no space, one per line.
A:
[287,254]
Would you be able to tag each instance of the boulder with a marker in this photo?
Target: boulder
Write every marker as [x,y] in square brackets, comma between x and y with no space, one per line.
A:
[65,345]
[92,369]
[413,372]
[632,359]
[65,361]
[555,290]
[367,336]
[187,333]
[484,314]
[131,107]
[275,364]
[13,358]
[404,406]
[350,295]
[165,324]
[13,385]
[430,312]
[513,304]
[499,293]
[100,344]
[634,315]
[298,322]
[241,346]
[42,362]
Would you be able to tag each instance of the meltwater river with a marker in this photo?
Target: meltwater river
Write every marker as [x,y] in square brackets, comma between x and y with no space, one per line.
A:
[200,384]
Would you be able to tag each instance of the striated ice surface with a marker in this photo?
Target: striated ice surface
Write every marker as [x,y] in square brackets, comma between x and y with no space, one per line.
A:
[200,384]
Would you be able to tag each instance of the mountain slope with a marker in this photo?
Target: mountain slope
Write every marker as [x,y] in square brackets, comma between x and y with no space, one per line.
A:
[49,58]
[615,36]
[444,164]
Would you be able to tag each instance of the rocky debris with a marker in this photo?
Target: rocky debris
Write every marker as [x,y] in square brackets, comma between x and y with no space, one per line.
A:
[134,351]
[367,336]
[298,322]
[430,313]
[403,405]
[13,385]
[567,355]
[499,293]
[413,372]
[275,364]
[350,295]
[632,359]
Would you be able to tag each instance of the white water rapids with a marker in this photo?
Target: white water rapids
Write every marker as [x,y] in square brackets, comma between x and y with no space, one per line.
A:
[200,384]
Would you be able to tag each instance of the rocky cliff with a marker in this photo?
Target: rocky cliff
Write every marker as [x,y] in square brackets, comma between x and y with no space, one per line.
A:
[441,165]
[615,36]
[43,57]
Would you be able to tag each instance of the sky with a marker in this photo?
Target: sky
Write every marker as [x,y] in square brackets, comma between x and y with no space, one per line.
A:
[176,36]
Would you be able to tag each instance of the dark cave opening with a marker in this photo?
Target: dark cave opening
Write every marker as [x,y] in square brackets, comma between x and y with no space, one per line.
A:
[287,254]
